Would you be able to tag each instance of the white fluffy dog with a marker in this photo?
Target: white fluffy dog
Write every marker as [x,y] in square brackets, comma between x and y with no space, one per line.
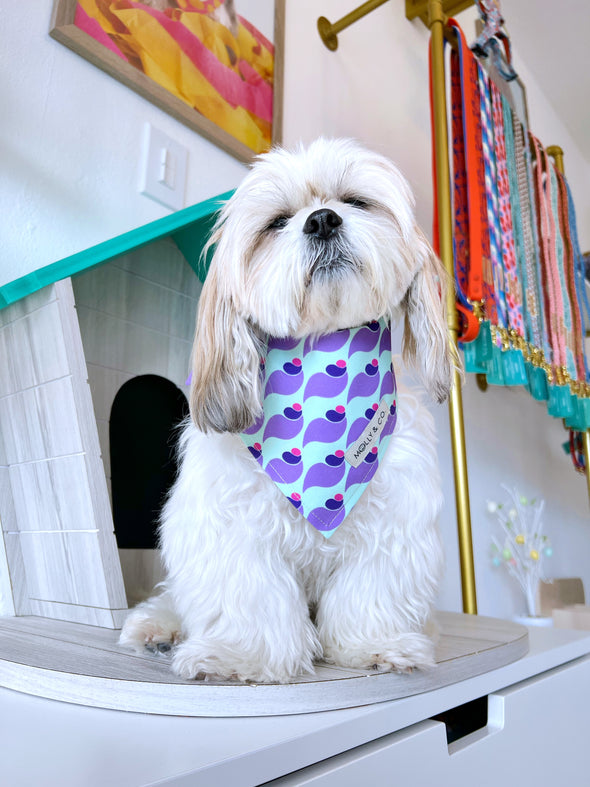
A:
[312,242]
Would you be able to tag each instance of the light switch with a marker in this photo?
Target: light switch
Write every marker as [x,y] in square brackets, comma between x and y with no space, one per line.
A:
[163,168]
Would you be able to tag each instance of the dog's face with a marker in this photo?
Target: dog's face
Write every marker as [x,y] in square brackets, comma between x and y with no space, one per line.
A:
[311,242]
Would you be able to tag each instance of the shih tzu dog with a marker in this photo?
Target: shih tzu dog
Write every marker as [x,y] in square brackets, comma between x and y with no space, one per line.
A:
[302,524]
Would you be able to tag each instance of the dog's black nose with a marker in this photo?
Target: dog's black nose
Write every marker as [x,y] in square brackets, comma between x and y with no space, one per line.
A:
[322,223]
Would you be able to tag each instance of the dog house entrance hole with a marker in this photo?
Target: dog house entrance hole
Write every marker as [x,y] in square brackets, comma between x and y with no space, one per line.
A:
[142,435]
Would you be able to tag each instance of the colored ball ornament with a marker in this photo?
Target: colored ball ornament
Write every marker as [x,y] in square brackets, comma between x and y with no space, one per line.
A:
[519,539]
[496,561]
[548,551]
[534,554]
[506,554]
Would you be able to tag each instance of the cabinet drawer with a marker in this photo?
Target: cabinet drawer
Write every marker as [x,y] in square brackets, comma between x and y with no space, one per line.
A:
[537,734]
[392,756]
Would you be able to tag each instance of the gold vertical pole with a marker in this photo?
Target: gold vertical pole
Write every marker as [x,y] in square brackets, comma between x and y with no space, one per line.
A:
[557,153]
[441,149]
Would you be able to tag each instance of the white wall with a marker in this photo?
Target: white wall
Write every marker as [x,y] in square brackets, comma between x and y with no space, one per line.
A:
[69,148]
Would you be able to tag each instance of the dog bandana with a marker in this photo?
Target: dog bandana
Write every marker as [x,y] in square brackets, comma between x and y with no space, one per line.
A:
[329,411]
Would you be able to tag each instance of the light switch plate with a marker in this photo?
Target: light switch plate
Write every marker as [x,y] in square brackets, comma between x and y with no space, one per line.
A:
[163,168]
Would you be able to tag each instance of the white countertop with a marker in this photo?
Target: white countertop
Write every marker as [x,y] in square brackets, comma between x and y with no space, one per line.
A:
[45,742]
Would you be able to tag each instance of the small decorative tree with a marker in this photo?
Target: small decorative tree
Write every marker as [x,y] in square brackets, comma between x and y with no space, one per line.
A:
[522,544]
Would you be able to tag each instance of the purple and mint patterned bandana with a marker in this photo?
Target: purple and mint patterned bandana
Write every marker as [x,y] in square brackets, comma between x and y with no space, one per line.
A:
[329,411]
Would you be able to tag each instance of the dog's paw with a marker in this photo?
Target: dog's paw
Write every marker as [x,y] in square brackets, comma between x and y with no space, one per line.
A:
[192,663]
[145,630]
[402,654]
[193,660]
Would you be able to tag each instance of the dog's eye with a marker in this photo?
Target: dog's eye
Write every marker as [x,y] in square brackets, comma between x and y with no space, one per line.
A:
[356,202]
[278,223]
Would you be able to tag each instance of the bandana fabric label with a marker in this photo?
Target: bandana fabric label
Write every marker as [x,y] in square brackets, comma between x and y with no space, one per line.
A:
[329,411]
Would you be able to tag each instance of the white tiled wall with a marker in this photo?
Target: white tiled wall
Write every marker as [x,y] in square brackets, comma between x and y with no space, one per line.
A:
[57,544]
[137,316]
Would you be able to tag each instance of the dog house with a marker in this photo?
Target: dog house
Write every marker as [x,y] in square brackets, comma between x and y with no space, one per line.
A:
[96,354]
[97,351]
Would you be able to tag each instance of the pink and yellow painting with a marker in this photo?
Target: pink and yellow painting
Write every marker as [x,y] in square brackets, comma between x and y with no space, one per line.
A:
[202,52]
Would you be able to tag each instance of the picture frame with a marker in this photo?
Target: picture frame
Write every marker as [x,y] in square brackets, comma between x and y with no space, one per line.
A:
[222,89]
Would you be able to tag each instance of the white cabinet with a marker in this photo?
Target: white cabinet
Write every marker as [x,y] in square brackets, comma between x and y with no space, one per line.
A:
[537,734]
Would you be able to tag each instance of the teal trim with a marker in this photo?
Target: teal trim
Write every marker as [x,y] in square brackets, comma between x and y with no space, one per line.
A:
[191,241]
[189,228]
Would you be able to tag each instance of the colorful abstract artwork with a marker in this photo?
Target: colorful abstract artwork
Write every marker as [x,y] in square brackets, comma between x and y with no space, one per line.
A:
[204,61]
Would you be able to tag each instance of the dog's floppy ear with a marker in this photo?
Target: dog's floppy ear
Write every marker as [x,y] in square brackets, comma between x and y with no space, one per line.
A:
[426,341]
[225,393]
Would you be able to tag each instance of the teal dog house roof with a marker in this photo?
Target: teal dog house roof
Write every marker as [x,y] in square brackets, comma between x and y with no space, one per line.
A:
[189,228]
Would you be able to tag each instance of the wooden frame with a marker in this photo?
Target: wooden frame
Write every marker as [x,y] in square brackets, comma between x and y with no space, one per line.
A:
[64,30]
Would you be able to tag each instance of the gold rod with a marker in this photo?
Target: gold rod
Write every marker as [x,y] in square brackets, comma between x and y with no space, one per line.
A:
[419,8]
[329,31]
[437,20]
[557,153]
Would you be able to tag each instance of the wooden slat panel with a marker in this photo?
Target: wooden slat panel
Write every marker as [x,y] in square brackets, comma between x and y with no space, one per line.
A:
[27,305]
[18,576]
[162,263]
[109,566]
[104,384]
[142,570]
[65,567]
[78,614]
[109,554]
[56,476]
[3,458]
[32,350]
[132,348]
[492,629]
[6,597]
[6,517]
[452,646]
[37,423]
[84,665]
[130,297]
[7,512]
[53,495]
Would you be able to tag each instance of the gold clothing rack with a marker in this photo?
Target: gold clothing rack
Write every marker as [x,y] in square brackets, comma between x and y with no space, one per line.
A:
[434,14]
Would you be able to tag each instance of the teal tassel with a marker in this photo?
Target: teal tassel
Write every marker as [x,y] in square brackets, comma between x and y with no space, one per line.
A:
[471,359]
[584,405]
[479,352]
[514,368]
[560,403]
[537,383]
[495,367]
[580,421]
[483,344]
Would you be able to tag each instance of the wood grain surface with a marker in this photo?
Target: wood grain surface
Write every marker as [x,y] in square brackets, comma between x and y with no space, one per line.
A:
[85,665]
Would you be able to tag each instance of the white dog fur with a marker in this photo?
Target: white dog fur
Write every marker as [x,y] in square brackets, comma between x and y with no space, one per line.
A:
[252,590]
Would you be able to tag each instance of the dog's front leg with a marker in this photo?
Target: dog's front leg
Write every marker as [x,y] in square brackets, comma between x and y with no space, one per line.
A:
[370,617]
[244,616]
[374,610]
[366,626]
